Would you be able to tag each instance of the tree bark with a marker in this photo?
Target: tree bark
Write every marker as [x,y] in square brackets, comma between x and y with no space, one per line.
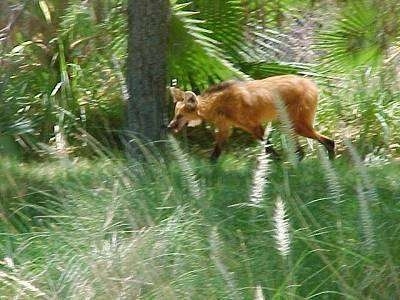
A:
[147,67]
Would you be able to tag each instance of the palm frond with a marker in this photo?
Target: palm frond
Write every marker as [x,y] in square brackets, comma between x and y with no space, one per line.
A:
[360,37]
[196,56]
[216,40]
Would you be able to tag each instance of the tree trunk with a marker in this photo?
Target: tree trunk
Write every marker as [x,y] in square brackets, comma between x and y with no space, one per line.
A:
[147,67]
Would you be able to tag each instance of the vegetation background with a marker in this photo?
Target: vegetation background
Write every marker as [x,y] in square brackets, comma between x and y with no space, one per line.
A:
[80,220]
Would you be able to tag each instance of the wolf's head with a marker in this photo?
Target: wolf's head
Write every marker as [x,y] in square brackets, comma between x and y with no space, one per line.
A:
[186,105]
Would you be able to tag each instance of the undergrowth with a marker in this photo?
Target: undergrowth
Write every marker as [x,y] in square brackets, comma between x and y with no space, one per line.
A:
[181,227]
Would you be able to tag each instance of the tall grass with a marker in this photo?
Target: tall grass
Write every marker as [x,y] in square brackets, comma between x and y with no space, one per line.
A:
[108,229]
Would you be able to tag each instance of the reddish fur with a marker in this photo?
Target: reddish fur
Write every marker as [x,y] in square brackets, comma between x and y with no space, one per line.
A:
[248,105]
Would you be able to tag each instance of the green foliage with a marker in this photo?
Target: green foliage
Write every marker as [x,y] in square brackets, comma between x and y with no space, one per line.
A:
[58,82]
[178,226]
[363,107]
[361,35]
[194,57]
[53,88]
[109,229]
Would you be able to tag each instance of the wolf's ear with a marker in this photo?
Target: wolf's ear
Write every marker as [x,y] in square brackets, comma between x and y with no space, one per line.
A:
[190,100]
[177,94]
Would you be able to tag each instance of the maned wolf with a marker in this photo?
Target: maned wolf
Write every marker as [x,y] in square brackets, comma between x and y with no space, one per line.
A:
[248,105]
